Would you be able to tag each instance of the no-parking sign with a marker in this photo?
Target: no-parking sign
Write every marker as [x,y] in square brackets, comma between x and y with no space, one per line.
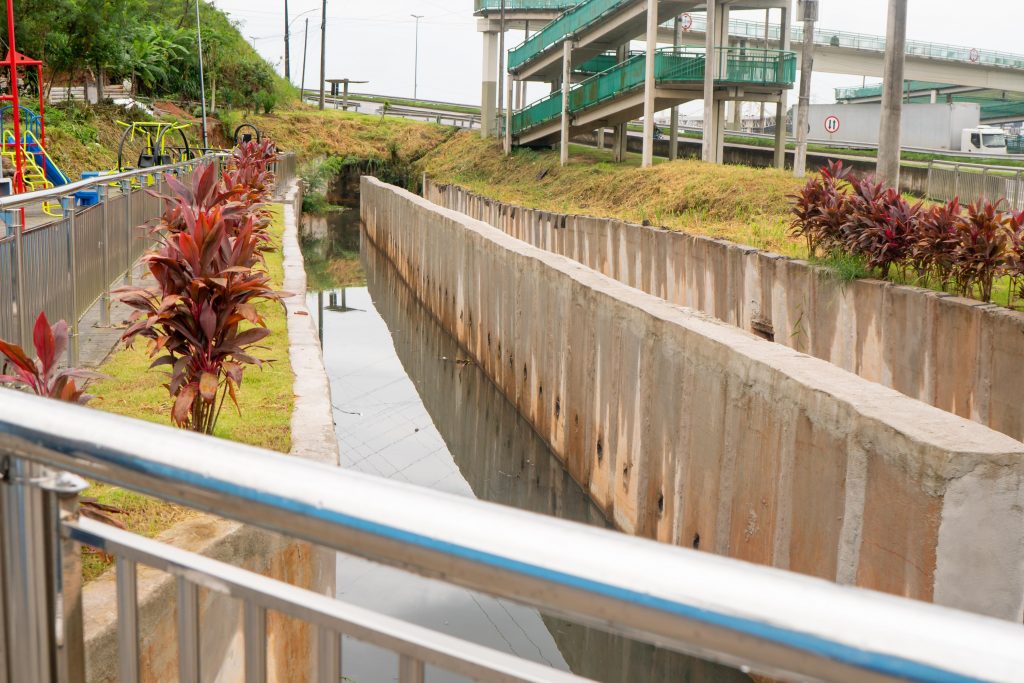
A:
[832,124]
[687,21]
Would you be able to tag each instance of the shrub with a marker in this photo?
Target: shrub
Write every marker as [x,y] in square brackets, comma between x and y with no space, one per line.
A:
[42,376]
[821,209]
[934,250]
[200,318]
[981,255]
[880,225]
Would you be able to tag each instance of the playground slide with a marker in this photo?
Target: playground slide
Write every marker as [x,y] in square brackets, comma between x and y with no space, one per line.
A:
[43,160]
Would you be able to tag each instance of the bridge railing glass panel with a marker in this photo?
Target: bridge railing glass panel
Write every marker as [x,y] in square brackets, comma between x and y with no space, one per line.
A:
[825,37]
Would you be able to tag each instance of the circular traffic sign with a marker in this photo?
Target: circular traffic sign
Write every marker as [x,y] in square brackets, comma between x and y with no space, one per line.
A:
[687,21]
[832,124]
[974,55]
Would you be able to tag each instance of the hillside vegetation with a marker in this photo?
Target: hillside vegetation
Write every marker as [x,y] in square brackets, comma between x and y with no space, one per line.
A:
[742,204]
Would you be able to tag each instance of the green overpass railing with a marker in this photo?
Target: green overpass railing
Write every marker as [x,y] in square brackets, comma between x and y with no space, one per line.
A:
[675,65]
[596,65]
[571,21]
[519,5]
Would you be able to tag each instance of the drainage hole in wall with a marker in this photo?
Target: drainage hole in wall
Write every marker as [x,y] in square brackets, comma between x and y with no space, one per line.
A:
[661,503]
[696,541]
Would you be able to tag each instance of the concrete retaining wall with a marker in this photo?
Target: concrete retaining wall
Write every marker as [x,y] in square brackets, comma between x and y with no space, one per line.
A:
[291,644]
[957,354]
[694,432]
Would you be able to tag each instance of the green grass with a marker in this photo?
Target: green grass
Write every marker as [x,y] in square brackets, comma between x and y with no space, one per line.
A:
[425,104]
[742,204]
[132,390]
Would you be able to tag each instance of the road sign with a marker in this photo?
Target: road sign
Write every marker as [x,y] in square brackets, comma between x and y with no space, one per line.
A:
[832,124]
[687,21]
[974,55]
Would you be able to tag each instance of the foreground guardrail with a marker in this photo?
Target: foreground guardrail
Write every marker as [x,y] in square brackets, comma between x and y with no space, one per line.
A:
[62,267]
[761,619]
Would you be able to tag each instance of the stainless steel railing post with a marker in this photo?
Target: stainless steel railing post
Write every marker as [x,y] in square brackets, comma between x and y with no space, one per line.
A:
[19,276]
[60,496]
[104,196]
[68,206]
[126,189]
[27,573]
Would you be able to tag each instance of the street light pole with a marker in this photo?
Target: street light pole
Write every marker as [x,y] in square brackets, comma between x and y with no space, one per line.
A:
[323,52]
[809,9]
[202,78]
[501,67]
[305,44]
[416,57]
[287,40]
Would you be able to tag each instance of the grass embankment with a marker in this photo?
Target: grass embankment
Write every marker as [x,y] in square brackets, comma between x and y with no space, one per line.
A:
[738,203]
[133,390]
[312,133]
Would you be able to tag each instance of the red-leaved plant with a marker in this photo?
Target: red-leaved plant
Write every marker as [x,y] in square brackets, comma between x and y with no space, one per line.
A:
[201,318]
[44,376]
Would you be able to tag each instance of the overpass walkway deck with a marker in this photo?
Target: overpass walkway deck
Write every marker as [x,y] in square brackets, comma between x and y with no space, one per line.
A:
[615,95]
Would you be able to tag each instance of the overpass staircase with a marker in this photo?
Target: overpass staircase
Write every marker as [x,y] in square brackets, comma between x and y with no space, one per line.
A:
[615,95]
[594,27]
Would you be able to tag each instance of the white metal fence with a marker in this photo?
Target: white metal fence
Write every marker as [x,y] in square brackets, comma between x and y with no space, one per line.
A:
[969,182]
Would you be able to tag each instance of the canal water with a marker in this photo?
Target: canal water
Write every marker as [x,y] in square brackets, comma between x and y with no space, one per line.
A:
[410,406]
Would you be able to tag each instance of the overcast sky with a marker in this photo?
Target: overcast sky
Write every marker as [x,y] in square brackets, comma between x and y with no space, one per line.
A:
[374,41]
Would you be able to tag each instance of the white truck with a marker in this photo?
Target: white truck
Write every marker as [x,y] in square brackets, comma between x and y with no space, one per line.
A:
[955,127]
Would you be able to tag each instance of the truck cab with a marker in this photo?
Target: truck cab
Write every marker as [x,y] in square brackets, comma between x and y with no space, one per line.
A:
[983,140]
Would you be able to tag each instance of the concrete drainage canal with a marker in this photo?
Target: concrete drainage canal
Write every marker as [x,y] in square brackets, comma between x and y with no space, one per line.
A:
[408,405]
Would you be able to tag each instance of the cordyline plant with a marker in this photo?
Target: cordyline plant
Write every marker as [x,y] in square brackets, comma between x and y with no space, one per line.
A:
[821,209]
[200,318]
[44,377]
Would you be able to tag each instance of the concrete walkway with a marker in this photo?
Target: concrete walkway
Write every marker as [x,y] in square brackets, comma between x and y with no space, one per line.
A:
[95,341]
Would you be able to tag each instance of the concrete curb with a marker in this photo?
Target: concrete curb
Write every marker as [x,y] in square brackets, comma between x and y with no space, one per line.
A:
[313,436]
[232,542]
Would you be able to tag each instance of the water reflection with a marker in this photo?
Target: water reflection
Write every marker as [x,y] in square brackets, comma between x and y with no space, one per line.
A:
[410,406]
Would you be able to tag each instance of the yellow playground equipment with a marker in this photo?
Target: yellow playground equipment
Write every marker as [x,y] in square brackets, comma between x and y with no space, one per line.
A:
[33,176]
[152,143]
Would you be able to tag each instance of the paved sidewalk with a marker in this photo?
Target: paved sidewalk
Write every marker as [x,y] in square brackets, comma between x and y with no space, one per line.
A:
[96,342]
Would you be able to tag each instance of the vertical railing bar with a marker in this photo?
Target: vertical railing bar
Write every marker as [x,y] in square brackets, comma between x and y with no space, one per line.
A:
[188,631]
[255,636]
[19,276]
[410,670]
[104,195]
[126,188]
[127,621]
[328,655]
[68,206]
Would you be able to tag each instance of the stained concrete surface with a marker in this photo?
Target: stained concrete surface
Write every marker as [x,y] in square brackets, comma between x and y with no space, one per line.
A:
[410,406]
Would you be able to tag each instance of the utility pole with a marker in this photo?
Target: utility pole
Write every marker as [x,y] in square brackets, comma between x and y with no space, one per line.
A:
[888,169]
[287,40]
[323,52]
[305,44]
[416,57]
[202,78]
[809,11]
[767,23]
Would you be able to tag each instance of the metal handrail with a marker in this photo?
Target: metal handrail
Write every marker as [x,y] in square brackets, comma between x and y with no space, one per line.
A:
[763,619]
[18,201]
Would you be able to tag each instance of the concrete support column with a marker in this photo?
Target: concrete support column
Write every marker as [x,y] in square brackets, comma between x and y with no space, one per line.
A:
[619,141]
[809,14]
[673,126]
[649,84]
[736,119]
[508,114]
[489,84]
[600,137]
[566,82]
[708,147]
[888,169]
[785,24]
[935,96]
